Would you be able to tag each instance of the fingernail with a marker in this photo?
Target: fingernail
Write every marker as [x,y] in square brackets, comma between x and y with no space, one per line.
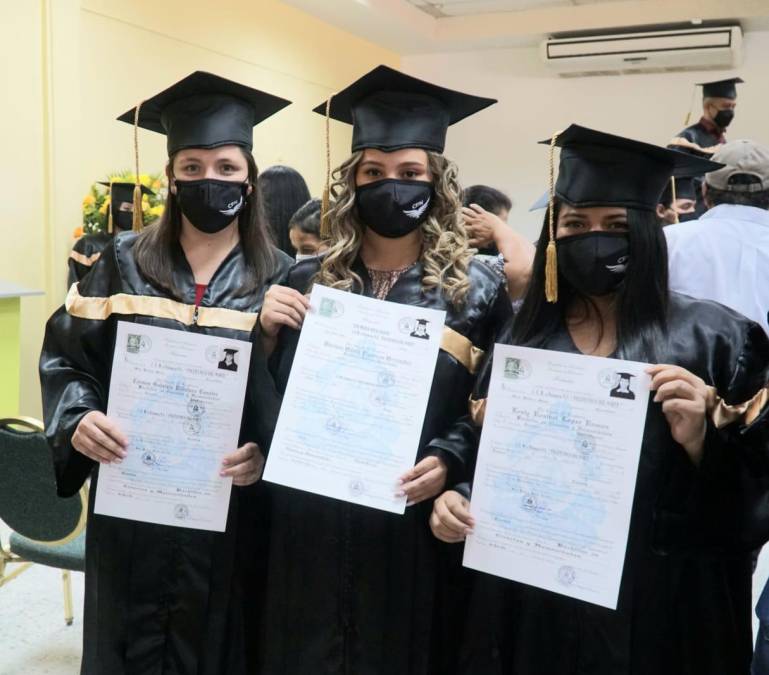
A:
[400,493]
[223,474]
[468,531]
[118,461]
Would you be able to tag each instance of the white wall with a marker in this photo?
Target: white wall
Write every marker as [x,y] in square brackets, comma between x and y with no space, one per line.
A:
[499,145]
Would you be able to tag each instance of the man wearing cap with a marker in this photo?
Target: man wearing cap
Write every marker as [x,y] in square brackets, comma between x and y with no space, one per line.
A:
[724,256]
[719,99]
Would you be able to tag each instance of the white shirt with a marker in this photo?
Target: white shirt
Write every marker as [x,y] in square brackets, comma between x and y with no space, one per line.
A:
[724,256]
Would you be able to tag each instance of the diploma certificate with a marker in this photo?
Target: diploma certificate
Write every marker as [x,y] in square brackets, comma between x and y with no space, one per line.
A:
[556,471]
[355,401]
[178,397]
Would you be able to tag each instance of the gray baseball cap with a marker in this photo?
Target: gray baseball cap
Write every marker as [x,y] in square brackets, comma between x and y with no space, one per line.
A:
[746,170]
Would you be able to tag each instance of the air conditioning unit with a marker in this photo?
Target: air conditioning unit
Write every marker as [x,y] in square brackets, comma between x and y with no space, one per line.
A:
[668,50]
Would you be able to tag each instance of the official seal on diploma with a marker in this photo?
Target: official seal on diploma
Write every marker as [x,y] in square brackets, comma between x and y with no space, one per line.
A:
[357,488]
[331,309]
[181,512]
[566,575]
[138,344]
[516,369]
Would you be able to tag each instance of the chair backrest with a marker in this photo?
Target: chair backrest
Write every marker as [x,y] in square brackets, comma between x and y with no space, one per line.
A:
[29,504]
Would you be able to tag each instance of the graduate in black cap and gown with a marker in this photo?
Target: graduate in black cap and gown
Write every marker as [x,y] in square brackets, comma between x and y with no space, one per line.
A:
[704,137]
[87,250]
[160,599]
[354,589]
[599,286]
[678,201]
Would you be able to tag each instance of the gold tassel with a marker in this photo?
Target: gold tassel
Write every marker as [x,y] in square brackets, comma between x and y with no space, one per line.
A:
[326,198]
[109,210]
[551,256]
[673,195]
[138,218]
[551,272]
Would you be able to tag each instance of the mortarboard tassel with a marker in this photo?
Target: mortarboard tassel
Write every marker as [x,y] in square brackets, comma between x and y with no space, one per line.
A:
[673,195]
[551,257]
[138,218]
[109,210]
[325,201]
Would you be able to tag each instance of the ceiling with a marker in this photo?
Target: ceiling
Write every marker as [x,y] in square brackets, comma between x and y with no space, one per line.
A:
[444,8]
[432,26]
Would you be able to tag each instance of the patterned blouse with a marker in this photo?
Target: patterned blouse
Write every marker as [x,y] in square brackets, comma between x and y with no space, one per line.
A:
[382,281]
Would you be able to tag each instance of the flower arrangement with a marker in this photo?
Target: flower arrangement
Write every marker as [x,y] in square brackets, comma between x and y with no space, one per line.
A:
[96,203]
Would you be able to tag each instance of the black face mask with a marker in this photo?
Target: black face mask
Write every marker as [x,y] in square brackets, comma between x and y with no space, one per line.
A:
[123,220]
[724,118]
[211,205]
[686,217]
[393,208]
[594,263]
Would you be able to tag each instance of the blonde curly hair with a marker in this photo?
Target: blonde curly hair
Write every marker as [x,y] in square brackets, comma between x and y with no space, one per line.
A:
[445,253]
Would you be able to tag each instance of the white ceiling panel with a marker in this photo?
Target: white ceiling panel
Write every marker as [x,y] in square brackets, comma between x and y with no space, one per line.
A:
[445,8]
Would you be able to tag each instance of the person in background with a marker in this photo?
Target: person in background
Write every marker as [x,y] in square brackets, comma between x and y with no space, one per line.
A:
[724,256]
[162,600]
[89,247]
[283,191]
[684,599]
[703,138]
[484,212]
[304,230]
[478,199]
[681,209]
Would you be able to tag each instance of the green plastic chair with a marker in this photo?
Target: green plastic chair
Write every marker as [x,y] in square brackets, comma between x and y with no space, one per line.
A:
[45,529]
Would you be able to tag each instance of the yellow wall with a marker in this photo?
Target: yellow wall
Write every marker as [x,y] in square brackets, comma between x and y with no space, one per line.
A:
[22,174]
[77,65]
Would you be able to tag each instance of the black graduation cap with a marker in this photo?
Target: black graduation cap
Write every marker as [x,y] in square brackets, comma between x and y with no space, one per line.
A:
[721,88]
[120,193]
[205,111]
[684,190]
[600,169]
[625,376]
[390,110]
[123,192]
[423,322]
[228,350]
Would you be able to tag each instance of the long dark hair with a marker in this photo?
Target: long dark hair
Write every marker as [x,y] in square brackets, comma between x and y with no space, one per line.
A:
[283,191]
[642,298]
[155,246]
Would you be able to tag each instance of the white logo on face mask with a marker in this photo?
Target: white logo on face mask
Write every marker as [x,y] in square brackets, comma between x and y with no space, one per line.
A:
[620,267]
[417,209]
[232,208]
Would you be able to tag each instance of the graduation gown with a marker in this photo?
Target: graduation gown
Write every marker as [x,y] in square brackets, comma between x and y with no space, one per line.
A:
[685,598]
[702,139]
[158,600]
[354,590]
[84,254]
